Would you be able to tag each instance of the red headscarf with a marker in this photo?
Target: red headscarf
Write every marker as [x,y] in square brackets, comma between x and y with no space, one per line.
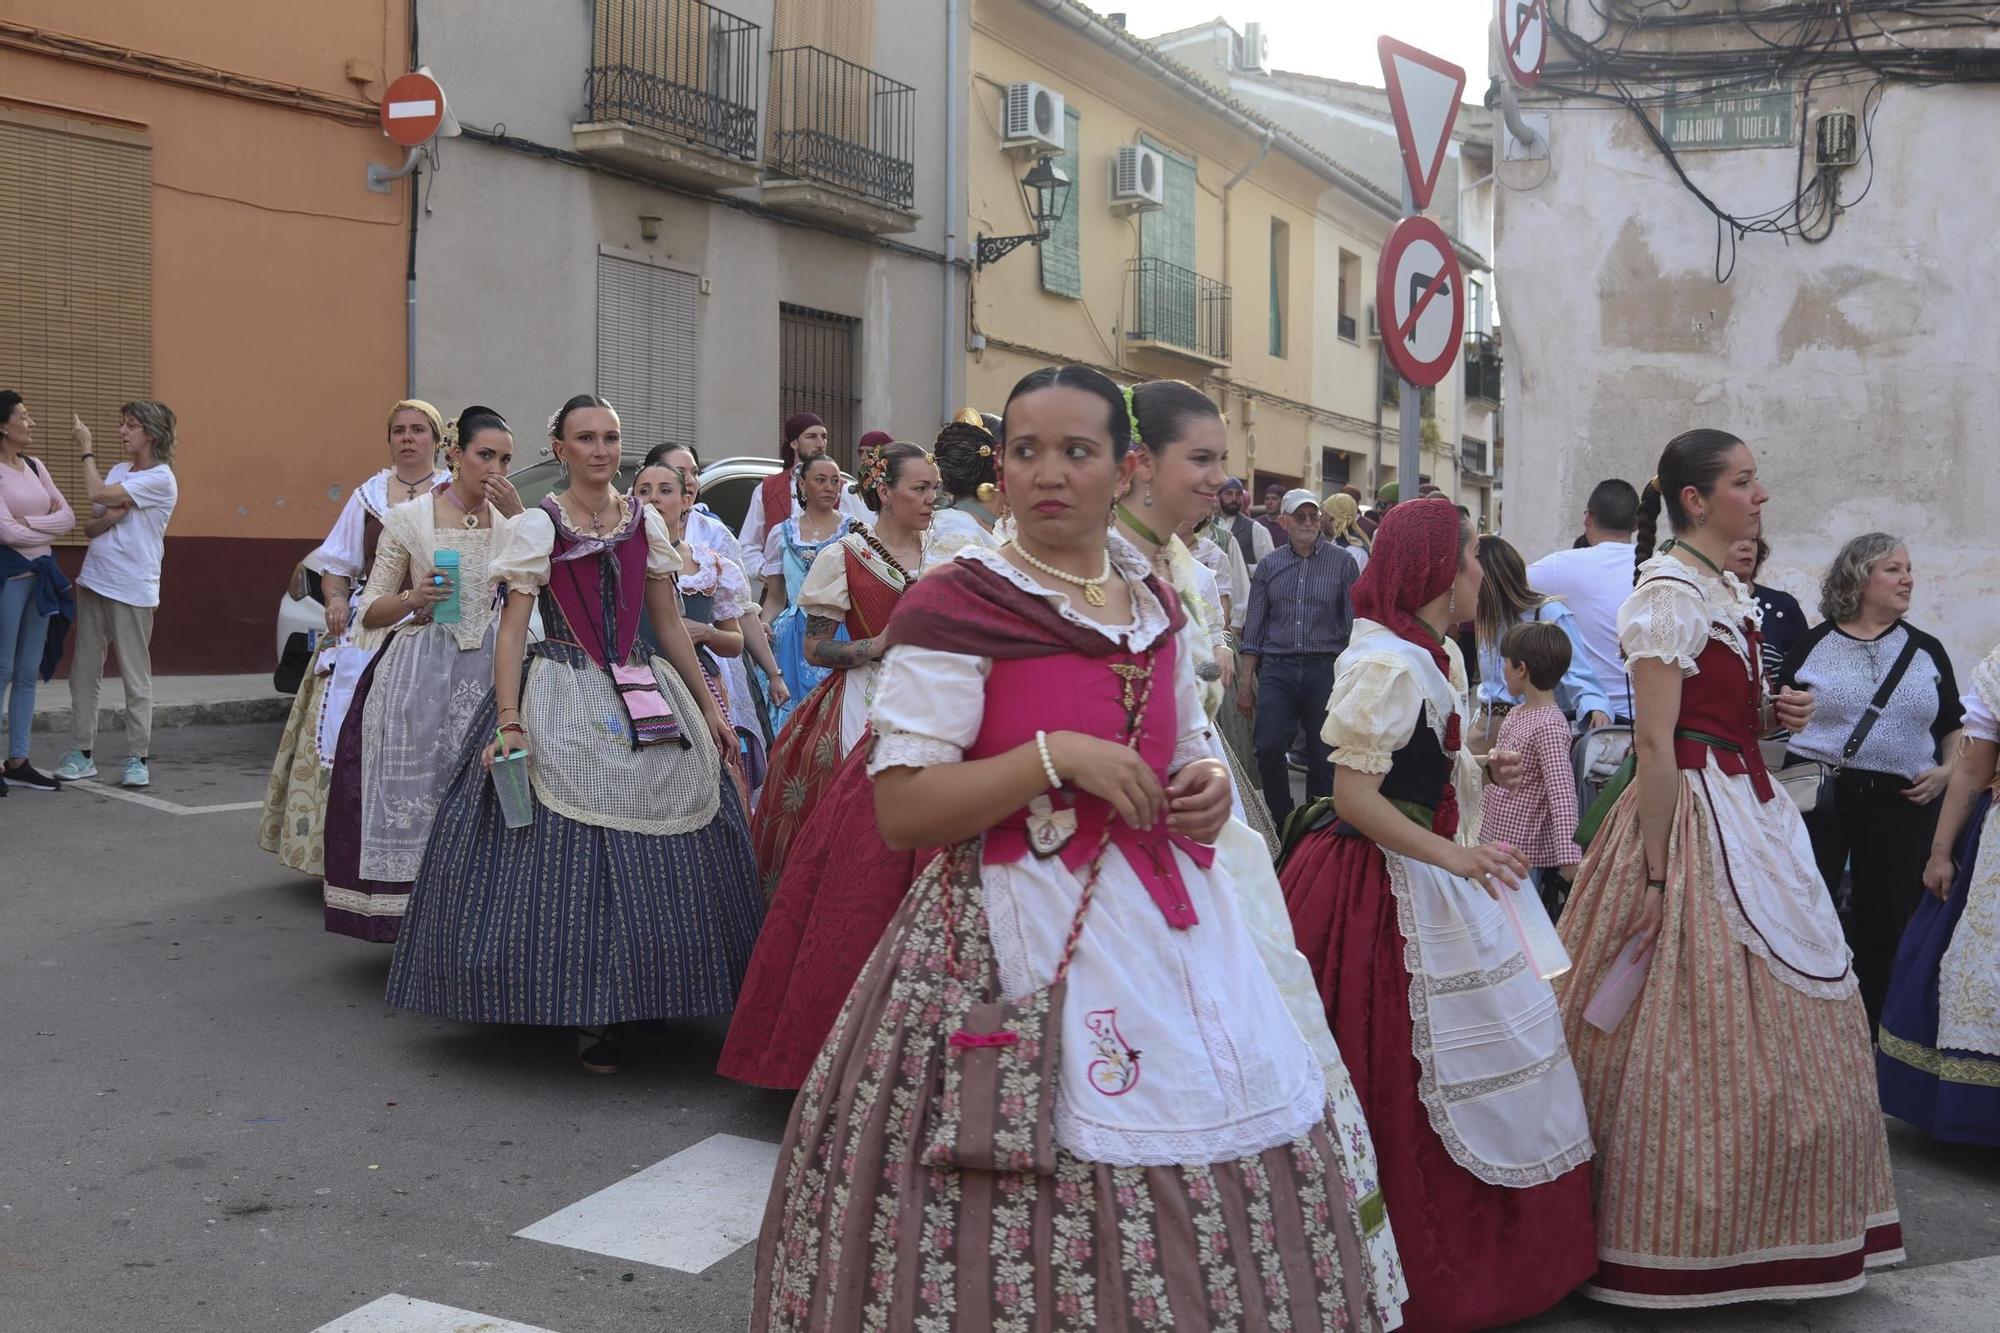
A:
[1415,559]
[797,424]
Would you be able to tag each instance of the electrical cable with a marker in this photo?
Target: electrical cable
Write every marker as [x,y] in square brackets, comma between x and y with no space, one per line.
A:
[1814,41]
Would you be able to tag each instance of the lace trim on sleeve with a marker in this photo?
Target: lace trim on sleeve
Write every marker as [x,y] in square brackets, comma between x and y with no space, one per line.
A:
[1664,619]
[905,749]
[521,547]
[1192,746]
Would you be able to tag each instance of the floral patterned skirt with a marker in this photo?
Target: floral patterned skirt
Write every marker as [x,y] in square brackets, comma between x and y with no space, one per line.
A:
[858,1235]
[293,824]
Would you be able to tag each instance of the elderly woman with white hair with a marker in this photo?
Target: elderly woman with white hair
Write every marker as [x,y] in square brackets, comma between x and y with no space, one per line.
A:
[1887,719]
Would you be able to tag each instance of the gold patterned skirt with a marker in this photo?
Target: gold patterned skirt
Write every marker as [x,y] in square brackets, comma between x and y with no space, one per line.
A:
[293,824]
[858,1235]
[1740,1150]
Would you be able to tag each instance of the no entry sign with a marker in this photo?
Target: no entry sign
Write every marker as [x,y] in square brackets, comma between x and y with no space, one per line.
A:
[412,110]
[1420,301]
[1524,39]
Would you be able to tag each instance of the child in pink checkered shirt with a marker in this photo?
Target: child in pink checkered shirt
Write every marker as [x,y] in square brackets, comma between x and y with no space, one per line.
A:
[1538,817]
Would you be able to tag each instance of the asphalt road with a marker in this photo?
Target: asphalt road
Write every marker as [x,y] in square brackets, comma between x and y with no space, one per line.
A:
[211,1121]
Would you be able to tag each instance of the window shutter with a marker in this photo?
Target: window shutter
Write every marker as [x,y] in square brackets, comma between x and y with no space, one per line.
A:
[1062,263]
[76,281]
[647,359]
[1168,235]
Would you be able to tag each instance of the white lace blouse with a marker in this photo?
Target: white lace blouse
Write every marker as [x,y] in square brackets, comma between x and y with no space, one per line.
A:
[1677,608]
[1226,1072]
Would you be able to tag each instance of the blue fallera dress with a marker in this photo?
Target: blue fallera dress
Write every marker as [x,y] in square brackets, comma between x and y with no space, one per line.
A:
[792,557]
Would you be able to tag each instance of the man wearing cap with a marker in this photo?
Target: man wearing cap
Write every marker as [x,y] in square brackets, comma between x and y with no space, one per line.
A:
[806,438]
[1271,521]
[1301,612]
[1253,539]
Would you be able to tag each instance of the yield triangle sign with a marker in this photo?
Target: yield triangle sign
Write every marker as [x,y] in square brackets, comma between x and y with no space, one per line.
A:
[1423,96]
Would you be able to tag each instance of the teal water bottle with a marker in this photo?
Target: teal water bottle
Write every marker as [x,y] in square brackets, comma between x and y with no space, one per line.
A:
[446,612]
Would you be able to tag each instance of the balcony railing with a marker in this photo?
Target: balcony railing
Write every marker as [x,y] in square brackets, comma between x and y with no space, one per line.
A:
[1482,368]
[842,124]
[1347,329]
[1180,308]
[680,67]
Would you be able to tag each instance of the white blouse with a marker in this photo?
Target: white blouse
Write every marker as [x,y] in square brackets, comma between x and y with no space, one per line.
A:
[342,553]
[1982,702]
[1677,608]
[523,544]
[1226,1072]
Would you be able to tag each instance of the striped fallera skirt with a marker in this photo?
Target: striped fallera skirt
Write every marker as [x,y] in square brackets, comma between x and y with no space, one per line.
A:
[564,923]
[858,1235]
[1740,1148]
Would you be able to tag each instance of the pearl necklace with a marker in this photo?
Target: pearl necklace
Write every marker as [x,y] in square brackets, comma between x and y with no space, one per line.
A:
[1093,588]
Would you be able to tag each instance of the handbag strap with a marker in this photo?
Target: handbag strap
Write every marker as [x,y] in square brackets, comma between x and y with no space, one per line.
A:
[1881,699]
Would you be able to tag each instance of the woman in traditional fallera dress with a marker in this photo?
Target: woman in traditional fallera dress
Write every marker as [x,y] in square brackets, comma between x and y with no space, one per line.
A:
[632,895]
[789,553]
[1451,1036]
[293,824]
[844,601]
[713,596]
[1741,1153]
[1939,1056]
[969,502]
[408,719]
[838,883]
[920,1186]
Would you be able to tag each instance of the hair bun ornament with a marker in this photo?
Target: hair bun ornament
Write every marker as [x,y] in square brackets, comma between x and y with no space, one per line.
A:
[1132,413]
[450,436]
[970,417]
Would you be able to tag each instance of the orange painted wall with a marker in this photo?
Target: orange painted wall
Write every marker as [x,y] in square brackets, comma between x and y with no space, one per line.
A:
[278,297]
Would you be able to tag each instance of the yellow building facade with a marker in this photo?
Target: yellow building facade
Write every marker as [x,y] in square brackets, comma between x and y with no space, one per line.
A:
[1249,271]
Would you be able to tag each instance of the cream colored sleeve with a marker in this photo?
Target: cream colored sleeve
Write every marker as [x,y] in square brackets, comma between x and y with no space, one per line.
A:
[521,547]
[824,593]
[1373,711]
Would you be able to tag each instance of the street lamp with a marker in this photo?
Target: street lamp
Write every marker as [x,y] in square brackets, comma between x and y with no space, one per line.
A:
[1045,191]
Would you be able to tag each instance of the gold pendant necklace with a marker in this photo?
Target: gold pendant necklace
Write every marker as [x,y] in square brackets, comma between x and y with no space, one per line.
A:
[471,520]
[1093,588]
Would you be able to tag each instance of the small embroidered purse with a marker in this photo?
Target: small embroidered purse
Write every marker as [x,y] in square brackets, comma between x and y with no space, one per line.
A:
[653,720]
[996,1108]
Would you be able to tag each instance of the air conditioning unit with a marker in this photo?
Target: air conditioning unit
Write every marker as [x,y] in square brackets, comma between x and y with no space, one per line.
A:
[1138,180]
[1256,49]
[1374,324]
[1031,119]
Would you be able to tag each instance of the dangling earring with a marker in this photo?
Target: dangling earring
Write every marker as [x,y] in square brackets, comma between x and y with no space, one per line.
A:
[1148,501]
[1701,519]
[1451,607]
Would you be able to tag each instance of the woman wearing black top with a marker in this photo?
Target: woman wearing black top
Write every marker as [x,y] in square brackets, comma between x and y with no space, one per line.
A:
[1883,809]
[1784,618]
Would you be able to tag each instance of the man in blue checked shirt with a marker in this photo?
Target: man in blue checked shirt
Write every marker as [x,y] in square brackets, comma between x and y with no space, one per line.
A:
[1301,613]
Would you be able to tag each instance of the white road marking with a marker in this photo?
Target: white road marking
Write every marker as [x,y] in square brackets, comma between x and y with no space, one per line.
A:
[155,803]
[403,110]
[406,1314]
[686,1213]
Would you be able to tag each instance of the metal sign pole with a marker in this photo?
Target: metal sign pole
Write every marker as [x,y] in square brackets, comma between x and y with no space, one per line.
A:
[1408,437]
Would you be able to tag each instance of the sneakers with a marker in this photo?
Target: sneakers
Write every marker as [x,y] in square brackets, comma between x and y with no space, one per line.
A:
[135,774]
[26,777]
[75,765]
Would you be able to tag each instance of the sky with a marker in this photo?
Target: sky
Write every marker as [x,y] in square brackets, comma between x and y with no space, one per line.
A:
[1333,37]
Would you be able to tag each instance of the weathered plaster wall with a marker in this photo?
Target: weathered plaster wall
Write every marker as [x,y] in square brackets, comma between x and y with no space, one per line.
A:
[1861,370]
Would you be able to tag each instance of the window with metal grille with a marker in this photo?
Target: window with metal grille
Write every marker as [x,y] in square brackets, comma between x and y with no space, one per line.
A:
[816,372]
[1169,308]
[647,359]
[76,281]
[1062,261]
